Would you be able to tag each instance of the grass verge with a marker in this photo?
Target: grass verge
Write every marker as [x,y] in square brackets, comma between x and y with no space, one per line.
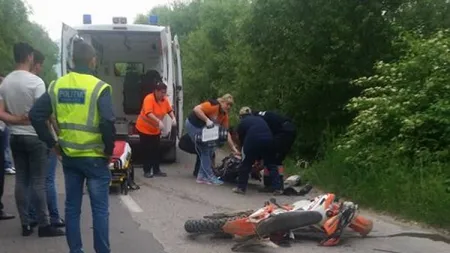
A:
[415,192]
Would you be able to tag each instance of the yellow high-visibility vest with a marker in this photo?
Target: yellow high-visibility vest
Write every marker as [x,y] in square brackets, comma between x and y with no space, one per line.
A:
[74,101]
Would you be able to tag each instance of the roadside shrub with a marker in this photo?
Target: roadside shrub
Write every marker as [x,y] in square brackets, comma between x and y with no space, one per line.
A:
[395,154]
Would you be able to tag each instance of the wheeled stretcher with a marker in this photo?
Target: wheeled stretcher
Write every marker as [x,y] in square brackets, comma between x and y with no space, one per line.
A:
[122,169]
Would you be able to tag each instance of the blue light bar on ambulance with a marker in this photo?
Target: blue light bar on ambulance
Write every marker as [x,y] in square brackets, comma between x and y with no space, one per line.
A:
[87,19]
[153,20]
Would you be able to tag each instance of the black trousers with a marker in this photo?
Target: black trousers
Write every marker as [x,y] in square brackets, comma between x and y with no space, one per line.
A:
[255,149]
[151,146]
[2,169]
[283,142]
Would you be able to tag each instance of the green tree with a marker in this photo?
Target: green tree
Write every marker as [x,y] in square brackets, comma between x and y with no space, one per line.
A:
[395,154]
[304,55]
[15,27]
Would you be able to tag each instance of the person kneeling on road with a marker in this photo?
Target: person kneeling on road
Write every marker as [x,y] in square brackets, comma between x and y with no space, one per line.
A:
[257,144]
[283,130]
[205,114]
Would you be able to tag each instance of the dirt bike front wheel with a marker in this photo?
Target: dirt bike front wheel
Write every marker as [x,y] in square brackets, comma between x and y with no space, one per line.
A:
[285,222]
[204,226]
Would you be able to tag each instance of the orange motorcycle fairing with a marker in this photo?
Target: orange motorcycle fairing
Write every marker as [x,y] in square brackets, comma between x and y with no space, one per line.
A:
[331,225]
[361,225]
[329,201]
[240,227]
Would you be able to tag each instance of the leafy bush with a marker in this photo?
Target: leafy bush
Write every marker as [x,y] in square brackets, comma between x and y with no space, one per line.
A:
[395,154]
[406,104]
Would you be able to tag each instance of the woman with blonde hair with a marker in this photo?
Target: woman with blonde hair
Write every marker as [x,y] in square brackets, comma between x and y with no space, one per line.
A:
[207,114]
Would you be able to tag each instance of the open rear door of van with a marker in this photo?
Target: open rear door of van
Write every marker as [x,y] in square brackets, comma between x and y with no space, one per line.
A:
[67,37]
[179,84]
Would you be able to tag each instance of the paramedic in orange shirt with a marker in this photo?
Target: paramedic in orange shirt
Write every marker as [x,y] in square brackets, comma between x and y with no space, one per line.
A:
[213,111]
[149,125]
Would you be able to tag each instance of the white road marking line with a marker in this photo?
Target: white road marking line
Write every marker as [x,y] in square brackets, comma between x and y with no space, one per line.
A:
[129,202]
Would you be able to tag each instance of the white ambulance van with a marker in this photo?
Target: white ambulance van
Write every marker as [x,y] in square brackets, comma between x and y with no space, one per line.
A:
[125,52]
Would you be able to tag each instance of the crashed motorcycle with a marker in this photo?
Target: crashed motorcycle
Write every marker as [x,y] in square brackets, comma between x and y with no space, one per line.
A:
[336,217]
[268,224]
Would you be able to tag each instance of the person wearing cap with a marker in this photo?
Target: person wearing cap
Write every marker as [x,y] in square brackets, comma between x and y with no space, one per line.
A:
[284,133]
[149,125]
[207,114]
[257,144]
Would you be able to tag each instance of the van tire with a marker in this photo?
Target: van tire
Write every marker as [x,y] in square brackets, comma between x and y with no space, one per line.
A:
[170,155]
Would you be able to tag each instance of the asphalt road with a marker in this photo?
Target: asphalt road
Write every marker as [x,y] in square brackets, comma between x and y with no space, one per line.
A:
[151,220]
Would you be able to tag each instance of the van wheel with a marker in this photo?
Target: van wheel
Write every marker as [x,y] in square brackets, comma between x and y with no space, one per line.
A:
[171,155]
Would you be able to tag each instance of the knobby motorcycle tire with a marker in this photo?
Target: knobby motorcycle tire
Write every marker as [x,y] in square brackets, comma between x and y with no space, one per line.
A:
[204,226]
[285,222]
[228,216]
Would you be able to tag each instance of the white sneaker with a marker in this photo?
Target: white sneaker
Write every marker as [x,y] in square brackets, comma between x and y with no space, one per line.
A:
[10,171]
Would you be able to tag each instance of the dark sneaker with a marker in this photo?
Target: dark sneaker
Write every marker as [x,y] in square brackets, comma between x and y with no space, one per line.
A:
[49,231]
[27,230]
[160,174]
[59,224]
[6,216]
[305,190]
[148,174]
[238,190]
[33,224]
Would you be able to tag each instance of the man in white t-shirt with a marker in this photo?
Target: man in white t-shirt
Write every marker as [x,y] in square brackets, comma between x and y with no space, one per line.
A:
[18,92]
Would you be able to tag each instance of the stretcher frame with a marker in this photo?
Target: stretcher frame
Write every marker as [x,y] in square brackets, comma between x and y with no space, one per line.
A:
[122,171]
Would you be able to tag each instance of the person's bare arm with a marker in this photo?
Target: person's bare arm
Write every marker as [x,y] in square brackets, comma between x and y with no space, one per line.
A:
[172,115]
[232,144]
[12,119]
[153,117]
[200,113]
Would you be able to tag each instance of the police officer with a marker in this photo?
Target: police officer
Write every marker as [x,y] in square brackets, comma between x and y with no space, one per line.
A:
[82,106]
[257,144]
[283,130]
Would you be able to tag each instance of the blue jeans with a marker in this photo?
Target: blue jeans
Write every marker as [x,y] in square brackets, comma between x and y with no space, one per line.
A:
[7,149]
[98,176]
[52,197]
[205,153]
